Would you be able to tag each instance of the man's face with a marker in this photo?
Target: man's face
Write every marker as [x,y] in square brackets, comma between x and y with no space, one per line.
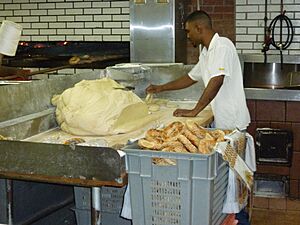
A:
[194,33]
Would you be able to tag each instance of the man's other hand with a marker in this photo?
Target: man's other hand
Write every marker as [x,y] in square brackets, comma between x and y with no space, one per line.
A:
[154,89]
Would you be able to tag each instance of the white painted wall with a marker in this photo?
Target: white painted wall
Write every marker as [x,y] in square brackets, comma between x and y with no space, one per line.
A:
[250,24]
[69,20]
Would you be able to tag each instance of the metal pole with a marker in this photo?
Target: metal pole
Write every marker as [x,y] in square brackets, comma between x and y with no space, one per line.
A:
[96,206]
[9,193]
[266,30]
[280,42]
[198,5]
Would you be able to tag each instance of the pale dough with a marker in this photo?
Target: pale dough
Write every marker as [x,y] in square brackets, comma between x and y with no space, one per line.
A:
[149,98]
[160,101]
[99,107]
[153,107]
[171,105]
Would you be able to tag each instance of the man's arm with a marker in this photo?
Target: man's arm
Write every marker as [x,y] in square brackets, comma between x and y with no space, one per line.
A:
[180,83]
[208,95]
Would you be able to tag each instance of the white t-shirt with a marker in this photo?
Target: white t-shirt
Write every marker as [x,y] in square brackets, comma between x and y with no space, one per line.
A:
[229,106]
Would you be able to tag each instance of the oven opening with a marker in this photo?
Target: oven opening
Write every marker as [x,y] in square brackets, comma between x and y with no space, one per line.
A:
[271,186]
[274,146]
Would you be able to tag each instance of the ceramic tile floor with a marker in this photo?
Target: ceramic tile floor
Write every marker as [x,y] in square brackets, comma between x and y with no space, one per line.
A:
[275,217]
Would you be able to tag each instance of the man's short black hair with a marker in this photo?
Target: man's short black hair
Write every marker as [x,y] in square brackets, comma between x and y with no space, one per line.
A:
[201,16]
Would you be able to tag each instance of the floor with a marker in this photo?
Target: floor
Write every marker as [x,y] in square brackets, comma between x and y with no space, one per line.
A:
[275,217]
[269,211]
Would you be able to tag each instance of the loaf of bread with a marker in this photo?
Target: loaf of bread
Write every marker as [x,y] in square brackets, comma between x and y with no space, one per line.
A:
[181,137]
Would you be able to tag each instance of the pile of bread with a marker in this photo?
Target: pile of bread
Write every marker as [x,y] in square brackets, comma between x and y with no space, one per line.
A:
[180,137]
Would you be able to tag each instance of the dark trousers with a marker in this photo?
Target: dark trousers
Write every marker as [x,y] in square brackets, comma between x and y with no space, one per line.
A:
[242,217]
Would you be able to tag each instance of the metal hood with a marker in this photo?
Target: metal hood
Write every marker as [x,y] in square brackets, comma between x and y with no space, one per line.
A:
[157,31]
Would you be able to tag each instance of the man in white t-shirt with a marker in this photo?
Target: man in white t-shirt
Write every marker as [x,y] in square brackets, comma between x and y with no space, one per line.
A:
[219,68]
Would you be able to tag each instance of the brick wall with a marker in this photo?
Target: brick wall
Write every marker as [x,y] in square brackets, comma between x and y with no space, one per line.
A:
[70,20]
[250,24]
[285,115]
[223,16]
[101,20]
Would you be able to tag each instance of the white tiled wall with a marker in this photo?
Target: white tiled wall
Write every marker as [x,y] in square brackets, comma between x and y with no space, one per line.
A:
[69,20]
[250,24]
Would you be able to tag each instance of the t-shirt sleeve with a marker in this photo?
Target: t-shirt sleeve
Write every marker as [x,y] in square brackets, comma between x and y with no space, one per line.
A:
[195,73]
[220,63]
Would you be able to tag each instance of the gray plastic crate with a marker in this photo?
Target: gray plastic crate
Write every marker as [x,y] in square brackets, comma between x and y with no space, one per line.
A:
[112,199]
[82,197]
[114,219]
[111,205]
[191,192]
[83,216]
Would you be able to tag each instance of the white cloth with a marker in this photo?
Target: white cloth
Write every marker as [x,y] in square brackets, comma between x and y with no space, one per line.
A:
[234,188]
[229,106]
[250,153]
[126,208]
[231,204]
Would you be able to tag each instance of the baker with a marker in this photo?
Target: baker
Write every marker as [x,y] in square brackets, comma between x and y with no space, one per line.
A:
[220,70]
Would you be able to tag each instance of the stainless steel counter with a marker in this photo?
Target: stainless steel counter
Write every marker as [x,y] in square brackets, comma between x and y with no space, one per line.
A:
[272,94]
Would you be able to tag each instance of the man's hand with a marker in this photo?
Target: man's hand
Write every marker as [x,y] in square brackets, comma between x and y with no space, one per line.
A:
[154,89]
[185,113]
[180,83]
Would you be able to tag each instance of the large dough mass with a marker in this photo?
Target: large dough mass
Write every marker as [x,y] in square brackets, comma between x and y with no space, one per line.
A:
[99,107]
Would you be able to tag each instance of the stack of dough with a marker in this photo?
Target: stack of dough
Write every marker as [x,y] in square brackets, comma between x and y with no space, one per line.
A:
[154,105]
[99,107]
[2,138]
[181,137]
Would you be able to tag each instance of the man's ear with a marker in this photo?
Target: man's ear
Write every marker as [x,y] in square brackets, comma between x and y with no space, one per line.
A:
[198,28]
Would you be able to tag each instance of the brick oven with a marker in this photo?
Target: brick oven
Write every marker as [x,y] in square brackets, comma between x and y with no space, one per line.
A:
[279,115]
[57,53]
